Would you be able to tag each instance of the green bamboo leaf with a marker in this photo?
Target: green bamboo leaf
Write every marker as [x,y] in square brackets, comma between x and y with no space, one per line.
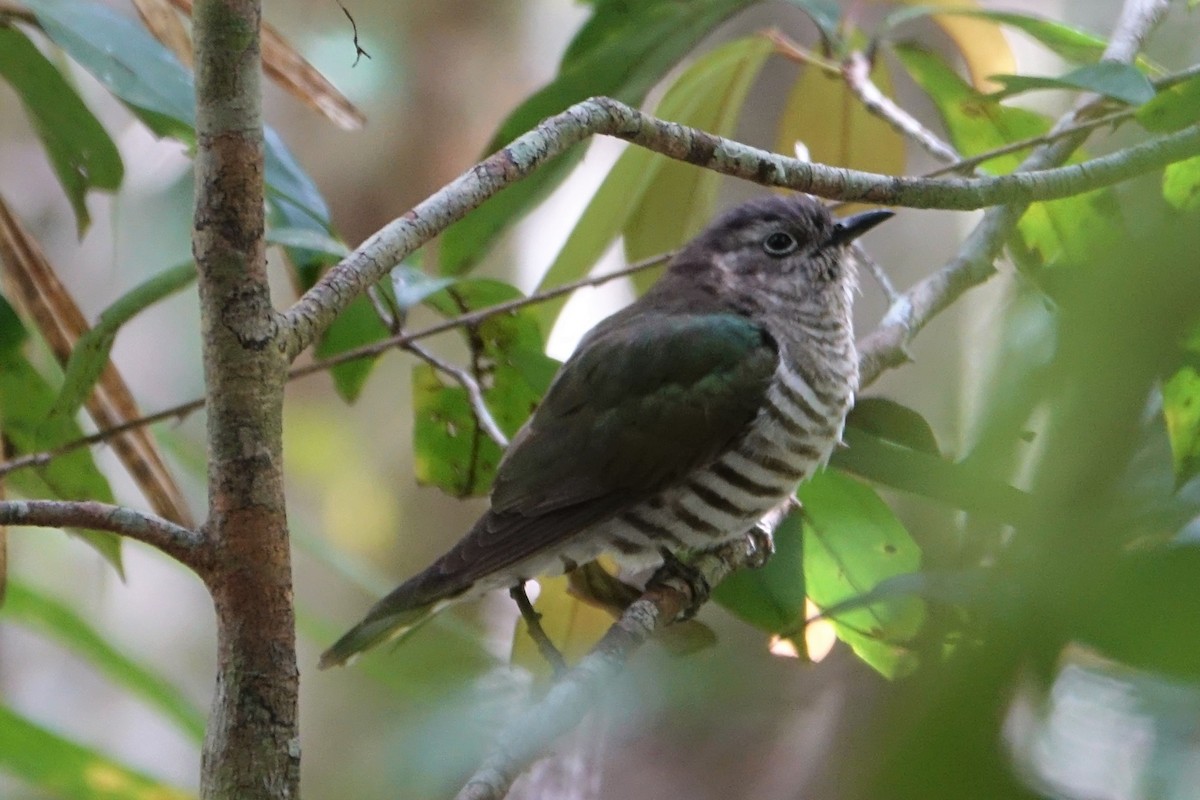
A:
[61,768]
[621,52]
[356,326]
[149,79]
[1181,410]
[42,613]
[90,354]
[1109,78]
[80,150]
[853,542]
[126,59]
[25,401]
[308,239]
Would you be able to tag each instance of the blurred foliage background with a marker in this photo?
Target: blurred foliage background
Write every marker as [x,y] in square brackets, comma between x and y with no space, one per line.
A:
[1018,502]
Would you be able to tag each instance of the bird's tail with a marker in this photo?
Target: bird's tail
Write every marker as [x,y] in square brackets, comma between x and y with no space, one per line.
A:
[401,612]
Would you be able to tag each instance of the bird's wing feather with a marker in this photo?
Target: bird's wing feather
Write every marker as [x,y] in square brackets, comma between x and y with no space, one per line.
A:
[644,402]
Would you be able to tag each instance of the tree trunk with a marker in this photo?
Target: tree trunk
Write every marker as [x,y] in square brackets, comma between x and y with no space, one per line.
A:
[252,747]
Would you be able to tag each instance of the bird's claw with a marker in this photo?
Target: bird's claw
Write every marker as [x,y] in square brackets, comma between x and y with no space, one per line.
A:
[675,571]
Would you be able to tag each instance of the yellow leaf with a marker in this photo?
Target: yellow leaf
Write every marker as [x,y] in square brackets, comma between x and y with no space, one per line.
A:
[572,626]
[836,128]
[981,43]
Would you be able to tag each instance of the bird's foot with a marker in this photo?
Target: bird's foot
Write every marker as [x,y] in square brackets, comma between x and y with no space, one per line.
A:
[761,545]
[674,572]
[533,622]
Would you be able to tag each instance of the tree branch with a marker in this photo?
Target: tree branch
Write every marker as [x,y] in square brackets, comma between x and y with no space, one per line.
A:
[180,543]
[887,345]
[386,248]
[573,695]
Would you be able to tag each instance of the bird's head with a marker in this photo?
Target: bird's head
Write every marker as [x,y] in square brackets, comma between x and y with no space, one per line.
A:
[785,247]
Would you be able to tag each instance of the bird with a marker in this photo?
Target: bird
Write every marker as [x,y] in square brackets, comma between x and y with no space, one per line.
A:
[677,423]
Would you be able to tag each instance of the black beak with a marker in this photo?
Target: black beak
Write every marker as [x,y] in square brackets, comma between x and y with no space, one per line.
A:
[848,229]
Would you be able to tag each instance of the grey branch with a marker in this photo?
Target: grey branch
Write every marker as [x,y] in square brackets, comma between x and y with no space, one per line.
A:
[856,70]
[386,248]
[182,544]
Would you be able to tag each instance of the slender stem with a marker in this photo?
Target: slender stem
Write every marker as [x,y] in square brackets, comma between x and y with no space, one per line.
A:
[483,414]
[533,623]
[856,70]
[182,544]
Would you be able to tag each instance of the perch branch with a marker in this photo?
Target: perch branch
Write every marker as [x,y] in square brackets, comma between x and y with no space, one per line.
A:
[386,248]
[574,694]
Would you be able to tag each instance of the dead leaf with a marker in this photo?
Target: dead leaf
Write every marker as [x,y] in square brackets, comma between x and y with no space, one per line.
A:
[161,18]
[282,64]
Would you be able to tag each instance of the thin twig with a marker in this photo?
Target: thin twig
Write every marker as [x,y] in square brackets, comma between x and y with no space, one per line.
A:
[793,51]
[856,70]
[533,623]
[367,351]
[182,544]
[483,415]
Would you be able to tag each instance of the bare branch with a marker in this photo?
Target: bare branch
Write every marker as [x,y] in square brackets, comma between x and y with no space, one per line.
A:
[386,248]
[182,544]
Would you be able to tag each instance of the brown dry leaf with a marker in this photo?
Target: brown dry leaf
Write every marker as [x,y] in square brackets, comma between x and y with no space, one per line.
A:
[824,115]
[163,21]
[981,43]
[32,283]
[286,67]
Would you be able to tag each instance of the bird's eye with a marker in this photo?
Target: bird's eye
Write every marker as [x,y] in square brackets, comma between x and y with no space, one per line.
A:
[780,244]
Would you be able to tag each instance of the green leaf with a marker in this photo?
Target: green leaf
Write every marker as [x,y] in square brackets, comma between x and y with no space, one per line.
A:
[1173,109]
[1181,409]
[1181,184]
[65,769]
[1071,43]
[46,615]
[853,542]
[147,77]
[1053,231]
[680,199]
[709,94]
[771,597]
[411,286]
[89,356]
[356,326]
[80,150]
[451,452]
[126,59]
[1109,78]
[25,401]
[957,485]
[894,422]
[825,14]
[308,239]
[621,52]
